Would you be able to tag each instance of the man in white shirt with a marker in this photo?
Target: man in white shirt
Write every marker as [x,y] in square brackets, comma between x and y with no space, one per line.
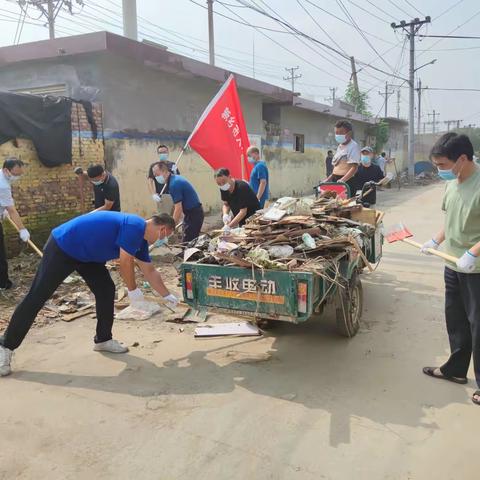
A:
[347,157]
[12,170]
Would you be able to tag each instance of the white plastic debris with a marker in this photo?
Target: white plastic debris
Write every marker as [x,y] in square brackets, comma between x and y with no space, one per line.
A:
[280,251]
[139,311]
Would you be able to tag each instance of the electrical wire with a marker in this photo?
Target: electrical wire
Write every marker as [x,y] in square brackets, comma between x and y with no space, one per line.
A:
[414,7]
[401,9]
[448,9]
[347,23]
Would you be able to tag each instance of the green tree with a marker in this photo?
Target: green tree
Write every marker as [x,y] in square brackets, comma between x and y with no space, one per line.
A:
[382,133]
[358,99]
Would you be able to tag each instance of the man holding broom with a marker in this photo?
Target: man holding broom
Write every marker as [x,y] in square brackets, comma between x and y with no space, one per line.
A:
[12,170]
[84,245]
[453,156]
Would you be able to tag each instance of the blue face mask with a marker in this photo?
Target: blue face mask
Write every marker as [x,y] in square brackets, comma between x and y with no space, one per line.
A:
[163,156]
[97,183]
[251,160]
[160,179]
[446,174]
[365,159]
[340,138]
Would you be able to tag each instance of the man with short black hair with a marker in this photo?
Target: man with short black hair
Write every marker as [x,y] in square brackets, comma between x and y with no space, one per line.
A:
[347,157]
[452,154]
[84,245]
[185,199]
[105,187]
[154,186]
[12,171]
[259,182]
[239,200]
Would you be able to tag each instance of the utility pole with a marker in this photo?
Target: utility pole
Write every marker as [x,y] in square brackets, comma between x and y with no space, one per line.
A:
[419,110]
[411,29]
[449,122]
[354,74]
[49,9]
[129,13]
[333,90]
[292,77]
[386,94]
[434,121]
[211,36]
[398,103]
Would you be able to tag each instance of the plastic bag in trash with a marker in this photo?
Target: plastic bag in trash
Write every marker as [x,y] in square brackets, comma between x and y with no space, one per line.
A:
[139,311]
[280,251]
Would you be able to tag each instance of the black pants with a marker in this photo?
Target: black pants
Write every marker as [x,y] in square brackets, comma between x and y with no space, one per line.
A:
[54,268]
[462,313]
[4,281]
[192,223]
[351,183]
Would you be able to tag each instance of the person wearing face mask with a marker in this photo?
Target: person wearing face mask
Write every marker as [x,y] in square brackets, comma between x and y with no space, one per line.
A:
[84,245]
[239,200]
[259,176]
[12,170]
[105,187]
[452,154]
[347,157]
[185,200]
[368,172]
[154,186]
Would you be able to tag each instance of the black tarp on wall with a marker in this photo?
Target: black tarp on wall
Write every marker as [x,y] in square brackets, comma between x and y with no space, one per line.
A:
[46,121]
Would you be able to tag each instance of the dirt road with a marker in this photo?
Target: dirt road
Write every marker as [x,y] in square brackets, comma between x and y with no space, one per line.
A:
[299,403]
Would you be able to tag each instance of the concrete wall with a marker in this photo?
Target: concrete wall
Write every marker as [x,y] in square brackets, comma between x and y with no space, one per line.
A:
[397,146]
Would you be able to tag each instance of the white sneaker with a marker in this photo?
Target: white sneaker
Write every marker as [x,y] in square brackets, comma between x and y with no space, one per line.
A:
[5,359]
[112,346]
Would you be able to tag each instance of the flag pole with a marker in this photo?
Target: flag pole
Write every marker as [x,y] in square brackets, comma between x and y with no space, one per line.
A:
[243,166]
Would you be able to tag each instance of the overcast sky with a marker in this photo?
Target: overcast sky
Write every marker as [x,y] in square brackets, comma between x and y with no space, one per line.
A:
[182,26]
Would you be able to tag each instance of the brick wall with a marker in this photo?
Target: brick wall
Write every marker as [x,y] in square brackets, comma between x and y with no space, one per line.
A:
[46,197]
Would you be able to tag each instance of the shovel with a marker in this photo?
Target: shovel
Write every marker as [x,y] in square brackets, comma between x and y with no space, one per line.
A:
[32,245]
[400,232]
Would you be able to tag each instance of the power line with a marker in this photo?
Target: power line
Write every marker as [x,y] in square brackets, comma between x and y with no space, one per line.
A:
[414,7]
[401,9]
[451,36]
[448,9]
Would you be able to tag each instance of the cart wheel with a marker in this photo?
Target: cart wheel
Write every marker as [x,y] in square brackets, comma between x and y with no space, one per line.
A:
[265,324]
[349,305]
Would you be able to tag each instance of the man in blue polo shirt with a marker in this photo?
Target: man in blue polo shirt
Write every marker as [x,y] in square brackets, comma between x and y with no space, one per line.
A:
[84,245]
[185,199]
[259,175]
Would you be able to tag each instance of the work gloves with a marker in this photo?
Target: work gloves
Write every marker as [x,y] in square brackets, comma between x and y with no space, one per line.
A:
[172,300]
[156,198]
[227,218]
[24,235]
[430,244]
[467,262]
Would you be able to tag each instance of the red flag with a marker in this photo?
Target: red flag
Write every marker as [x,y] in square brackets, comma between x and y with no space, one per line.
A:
[220,135]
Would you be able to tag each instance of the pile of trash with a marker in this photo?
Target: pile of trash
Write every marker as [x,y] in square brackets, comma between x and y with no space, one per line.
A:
[293,234]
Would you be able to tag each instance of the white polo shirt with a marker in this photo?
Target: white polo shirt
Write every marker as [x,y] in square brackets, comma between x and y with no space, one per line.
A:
[6,199]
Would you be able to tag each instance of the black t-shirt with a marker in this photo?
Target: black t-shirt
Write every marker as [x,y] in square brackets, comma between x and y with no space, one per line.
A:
[241,197]
[108,190]
[373,173]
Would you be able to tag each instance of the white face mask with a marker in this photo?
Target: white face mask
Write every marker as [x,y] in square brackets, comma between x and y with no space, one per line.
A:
[13,178]
[225,187]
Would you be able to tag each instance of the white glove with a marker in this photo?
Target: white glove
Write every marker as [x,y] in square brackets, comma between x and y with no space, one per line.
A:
[226,229]
[226,218]
[135,296]
[171,300]
[24,235]
[467,262]
[430,244]
[4,215]
[156,198]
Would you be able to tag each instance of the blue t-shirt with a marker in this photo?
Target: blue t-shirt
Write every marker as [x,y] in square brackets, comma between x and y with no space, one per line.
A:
[98,237]
[181,190]
[260,172]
